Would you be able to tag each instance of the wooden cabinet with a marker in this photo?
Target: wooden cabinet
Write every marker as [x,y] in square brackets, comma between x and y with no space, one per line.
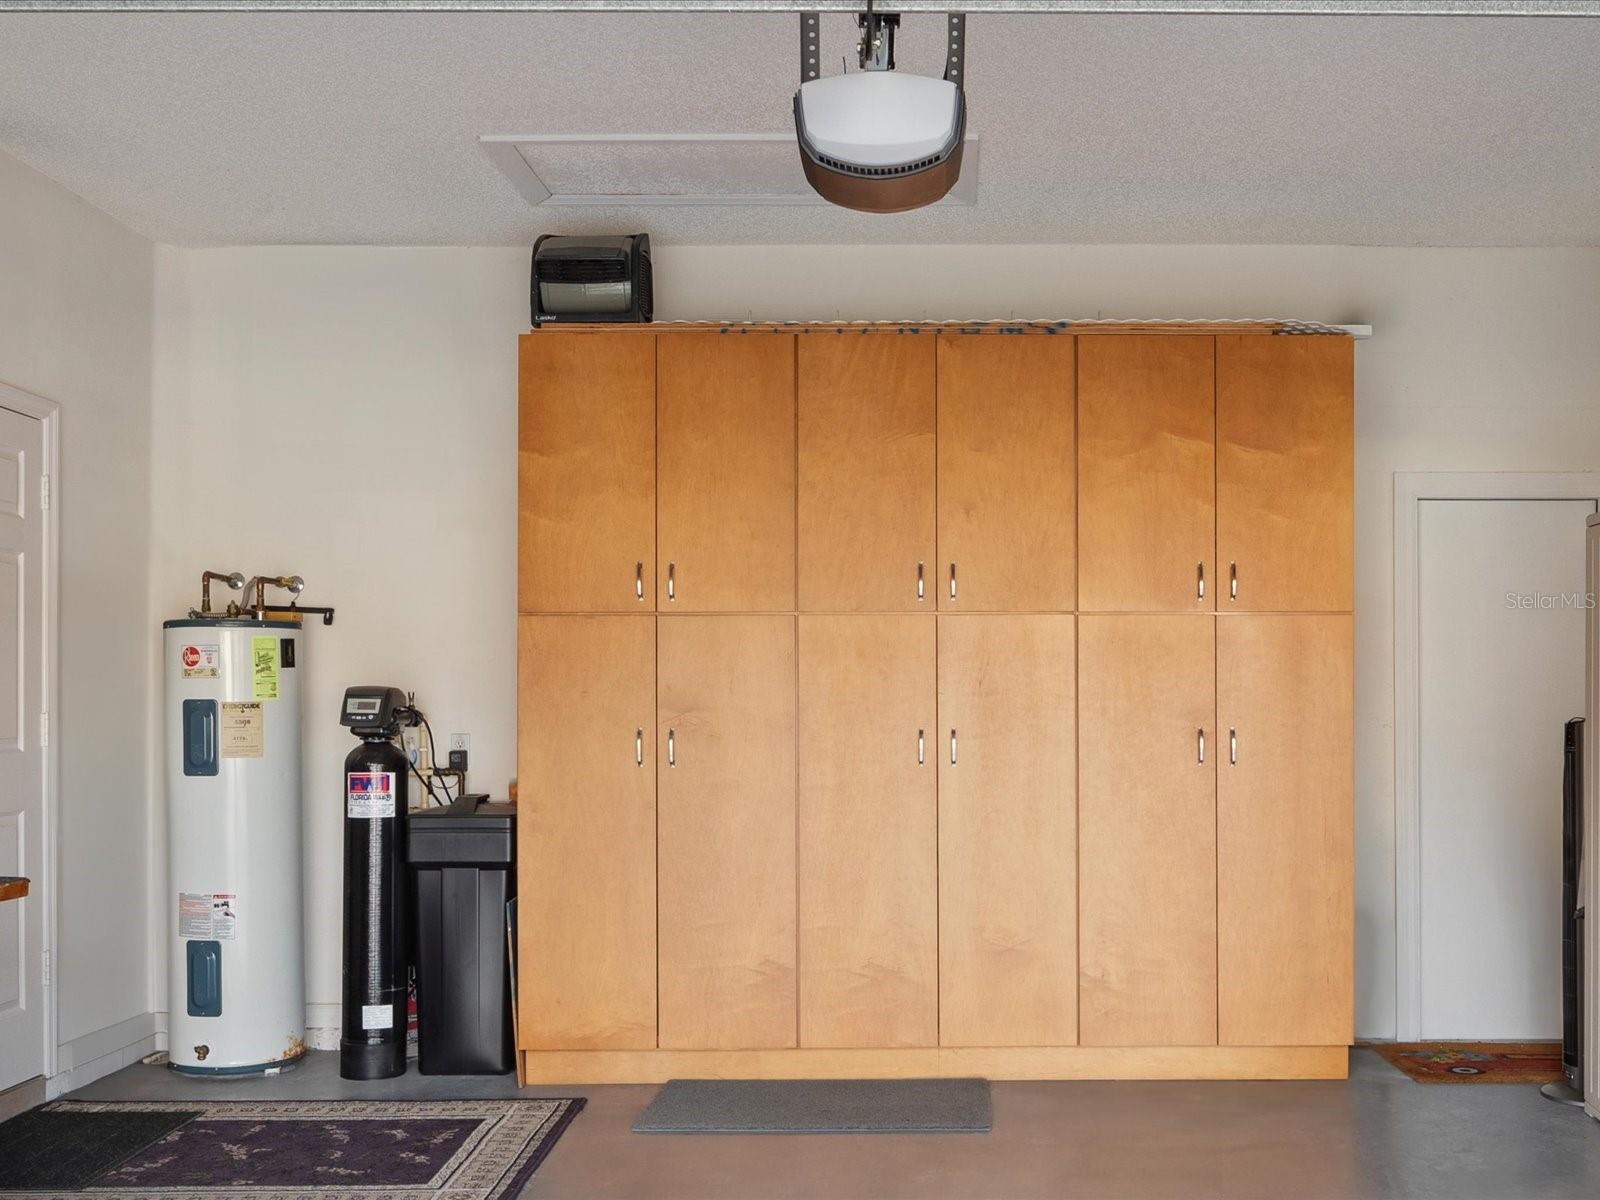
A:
[1285,779]
[1008,967]
[726,831]
[1285,473]
[868,831]
[866,511]
[586,491]
[586,826]
[1006,477]
[1146,474]
[1147,864]
[725,507]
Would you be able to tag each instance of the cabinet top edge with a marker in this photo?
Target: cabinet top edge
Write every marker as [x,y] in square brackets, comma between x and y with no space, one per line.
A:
[1092,326]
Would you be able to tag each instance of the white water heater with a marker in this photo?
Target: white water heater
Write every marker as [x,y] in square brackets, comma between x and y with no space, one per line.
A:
[233,905]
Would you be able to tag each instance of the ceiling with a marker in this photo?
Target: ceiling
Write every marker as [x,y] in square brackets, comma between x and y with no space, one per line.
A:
[246,128]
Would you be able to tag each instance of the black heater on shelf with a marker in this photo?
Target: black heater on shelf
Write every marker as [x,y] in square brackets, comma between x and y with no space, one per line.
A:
[1571,1092]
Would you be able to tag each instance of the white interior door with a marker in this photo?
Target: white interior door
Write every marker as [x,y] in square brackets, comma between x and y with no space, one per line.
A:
[22,1011]
[1501,638]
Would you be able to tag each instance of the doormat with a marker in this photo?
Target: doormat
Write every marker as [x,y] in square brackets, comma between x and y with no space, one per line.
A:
[1475,1062]
[818,1106]
[281,1150]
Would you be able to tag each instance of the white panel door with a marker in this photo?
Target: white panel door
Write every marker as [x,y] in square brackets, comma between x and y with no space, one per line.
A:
[1501,635]
[22,1020]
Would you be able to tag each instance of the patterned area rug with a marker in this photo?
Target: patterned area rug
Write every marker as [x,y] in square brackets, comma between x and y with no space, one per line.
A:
[1475,1062]
[283,1150]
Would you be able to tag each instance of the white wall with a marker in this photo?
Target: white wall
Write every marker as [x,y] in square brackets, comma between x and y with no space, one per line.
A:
[349,413]
[75,327]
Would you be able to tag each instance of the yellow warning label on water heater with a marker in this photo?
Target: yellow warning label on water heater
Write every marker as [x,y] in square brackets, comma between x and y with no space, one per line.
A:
[264,667]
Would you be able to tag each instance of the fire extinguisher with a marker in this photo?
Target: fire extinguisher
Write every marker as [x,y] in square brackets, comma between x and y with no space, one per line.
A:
[377,924]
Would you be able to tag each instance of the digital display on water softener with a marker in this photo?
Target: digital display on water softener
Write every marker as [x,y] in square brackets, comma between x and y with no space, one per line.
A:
[362,707]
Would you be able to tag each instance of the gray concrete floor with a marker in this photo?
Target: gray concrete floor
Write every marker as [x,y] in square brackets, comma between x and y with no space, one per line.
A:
[1378,1135]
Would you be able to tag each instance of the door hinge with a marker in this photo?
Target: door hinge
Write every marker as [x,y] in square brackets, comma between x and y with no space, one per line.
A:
[44,491]
[44,729]
[45,967]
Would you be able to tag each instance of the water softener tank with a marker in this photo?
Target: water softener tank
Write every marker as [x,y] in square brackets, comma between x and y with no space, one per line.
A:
[236,973]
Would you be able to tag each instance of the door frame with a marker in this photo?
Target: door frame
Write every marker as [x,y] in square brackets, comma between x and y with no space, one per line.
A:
[48,414]
[1410,489]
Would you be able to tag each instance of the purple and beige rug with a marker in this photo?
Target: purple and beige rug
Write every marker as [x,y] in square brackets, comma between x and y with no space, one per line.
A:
[289,1150]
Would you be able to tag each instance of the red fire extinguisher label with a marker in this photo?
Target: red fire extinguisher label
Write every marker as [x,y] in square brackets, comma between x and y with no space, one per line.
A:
[369,794]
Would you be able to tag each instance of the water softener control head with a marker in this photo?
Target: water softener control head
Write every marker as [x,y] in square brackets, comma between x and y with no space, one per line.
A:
[374,711]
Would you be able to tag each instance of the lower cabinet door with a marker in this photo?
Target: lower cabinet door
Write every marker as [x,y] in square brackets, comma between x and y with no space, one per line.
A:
[1284,830]
[1147,812]
[1008,965]
[586,833]
[726,831]
[868,832]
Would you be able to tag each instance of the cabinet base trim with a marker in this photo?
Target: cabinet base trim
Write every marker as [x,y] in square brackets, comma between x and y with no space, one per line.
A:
[1051,1062]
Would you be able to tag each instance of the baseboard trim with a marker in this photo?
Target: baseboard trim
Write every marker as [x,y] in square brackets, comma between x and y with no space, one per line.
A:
[95,1055]
[23,1096]
[1051,1062]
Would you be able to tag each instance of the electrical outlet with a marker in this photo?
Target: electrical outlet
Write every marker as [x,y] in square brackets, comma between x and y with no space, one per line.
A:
[461,741]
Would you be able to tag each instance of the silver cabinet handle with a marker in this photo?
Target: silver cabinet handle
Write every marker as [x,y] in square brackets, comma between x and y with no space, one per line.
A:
[638,747]
[952,581]
[922,756]
[1200,580]
[1202,736]
[638,581]
[672,747]
[1233,581]
[672,585]
[1233,746]
[952,747]
[919,581]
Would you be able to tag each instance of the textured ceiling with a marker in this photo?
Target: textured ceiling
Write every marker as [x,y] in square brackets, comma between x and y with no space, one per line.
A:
[247,128]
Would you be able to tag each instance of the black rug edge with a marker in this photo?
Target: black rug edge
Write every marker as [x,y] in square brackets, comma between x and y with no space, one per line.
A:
[84,1185]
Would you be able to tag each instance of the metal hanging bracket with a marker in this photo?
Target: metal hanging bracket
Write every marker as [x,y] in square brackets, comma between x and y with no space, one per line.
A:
[810,47]
[955,55]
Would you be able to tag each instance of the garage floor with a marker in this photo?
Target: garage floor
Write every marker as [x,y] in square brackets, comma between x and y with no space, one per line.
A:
[1379,1135]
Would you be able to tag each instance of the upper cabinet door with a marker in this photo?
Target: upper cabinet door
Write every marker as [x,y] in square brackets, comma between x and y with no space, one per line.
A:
[1285,830]
[586,473]
[726,505]
[1006,490]
[866,473]
[1146,474]
[1285,473]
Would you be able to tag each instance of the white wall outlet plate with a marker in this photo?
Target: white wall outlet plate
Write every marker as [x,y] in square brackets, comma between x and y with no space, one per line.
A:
[461,741]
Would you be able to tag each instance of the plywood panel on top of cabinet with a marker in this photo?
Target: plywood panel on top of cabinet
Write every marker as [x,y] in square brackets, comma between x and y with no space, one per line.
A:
[1285,832]
[866,509]
[586,473]
[868,832]
[1006,467]
[1286,473]
[726,831]
[586,827]
[1147,814]
[1146,474]
[1008,966]
[726,468]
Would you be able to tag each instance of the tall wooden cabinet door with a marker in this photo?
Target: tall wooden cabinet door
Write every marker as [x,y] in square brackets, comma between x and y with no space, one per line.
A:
[1285,857]
[866,473]
[586,473]
[1006,491]
[1147,864]
[1146,466]
[726,834]
[1286,473]
[586,833]
[1008,964]
[868,832]
[726,499]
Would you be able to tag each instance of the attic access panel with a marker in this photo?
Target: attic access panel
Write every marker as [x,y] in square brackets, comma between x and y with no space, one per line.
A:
[672,170]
